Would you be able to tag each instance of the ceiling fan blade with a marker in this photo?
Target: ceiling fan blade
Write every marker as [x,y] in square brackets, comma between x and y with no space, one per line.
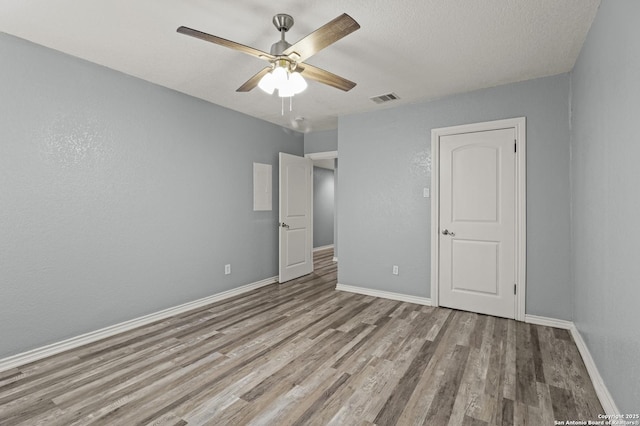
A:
[325,77]
[253,81]
[324,36]
[226,43]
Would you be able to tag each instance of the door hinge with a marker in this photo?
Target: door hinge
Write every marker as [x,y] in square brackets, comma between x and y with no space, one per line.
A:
[514,288]
[515,146]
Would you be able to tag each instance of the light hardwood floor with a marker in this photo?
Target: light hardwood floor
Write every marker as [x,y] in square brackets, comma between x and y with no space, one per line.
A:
[302,353]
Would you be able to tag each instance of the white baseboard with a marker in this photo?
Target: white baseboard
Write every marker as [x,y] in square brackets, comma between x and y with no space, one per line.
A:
[384,294]
[93,336]
[606,400]
[604,396]
[549,322]
[315,249]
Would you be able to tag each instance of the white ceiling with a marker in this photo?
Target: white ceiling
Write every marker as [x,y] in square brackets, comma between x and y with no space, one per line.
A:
[419,49]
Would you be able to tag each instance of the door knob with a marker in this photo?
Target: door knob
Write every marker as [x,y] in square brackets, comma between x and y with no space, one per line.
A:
[284,225]
[447,232]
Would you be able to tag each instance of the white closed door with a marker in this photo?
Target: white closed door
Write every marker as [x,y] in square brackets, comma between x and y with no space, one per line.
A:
[295,217]
[478,222]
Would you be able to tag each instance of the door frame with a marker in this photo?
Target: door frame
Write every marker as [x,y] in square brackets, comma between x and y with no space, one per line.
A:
[519,124]
[325,155]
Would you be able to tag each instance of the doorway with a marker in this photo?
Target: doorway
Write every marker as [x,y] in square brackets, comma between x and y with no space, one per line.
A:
[478,217]
[325,201]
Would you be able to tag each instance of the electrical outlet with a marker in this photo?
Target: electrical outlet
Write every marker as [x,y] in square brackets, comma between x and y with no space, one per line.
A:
[395,271]
[227,269]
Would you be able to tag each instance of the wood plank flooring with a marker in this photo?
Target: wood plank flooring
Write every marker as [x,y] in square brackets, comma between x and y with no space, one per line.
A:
[301,353]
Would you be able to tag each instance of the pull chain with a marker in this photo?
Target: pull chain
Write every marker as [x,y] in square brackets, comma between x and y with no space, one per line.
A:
[282,105]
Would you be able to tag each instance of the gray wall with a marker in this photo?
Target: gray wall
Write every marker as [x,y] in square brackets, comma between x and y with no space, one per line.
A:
[385,163]
[323,206]
[120,198]
[606,206]
[323,141]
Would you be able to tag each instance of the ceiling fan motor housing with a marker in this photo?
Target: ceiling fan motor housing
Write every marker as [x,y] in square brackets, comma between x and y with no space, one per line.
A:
[279,47]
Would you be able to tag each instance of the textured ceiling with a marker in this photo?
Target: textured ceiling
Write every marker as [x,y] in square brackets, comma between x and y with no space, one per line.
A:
[418,49]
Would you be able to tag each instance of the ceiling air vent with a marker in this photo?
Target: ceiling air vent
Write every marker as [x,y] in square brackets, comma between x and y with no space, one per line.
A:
[385,98]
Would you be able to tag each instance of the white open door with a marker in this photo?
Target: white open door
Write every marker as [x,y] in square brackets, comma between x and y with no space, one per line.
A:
[295,217]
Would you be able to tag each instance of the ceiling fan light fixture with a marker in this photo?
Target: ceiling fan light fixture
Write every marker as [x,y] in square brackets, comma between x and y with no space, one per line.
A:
[288,83]
[292,86]
[279,75]
[298,83]
[286,91]
[267,83]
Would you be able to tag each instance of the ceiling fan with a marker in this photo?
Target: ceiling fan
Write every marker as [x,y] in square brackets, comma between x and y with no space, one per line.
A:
[286,61]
